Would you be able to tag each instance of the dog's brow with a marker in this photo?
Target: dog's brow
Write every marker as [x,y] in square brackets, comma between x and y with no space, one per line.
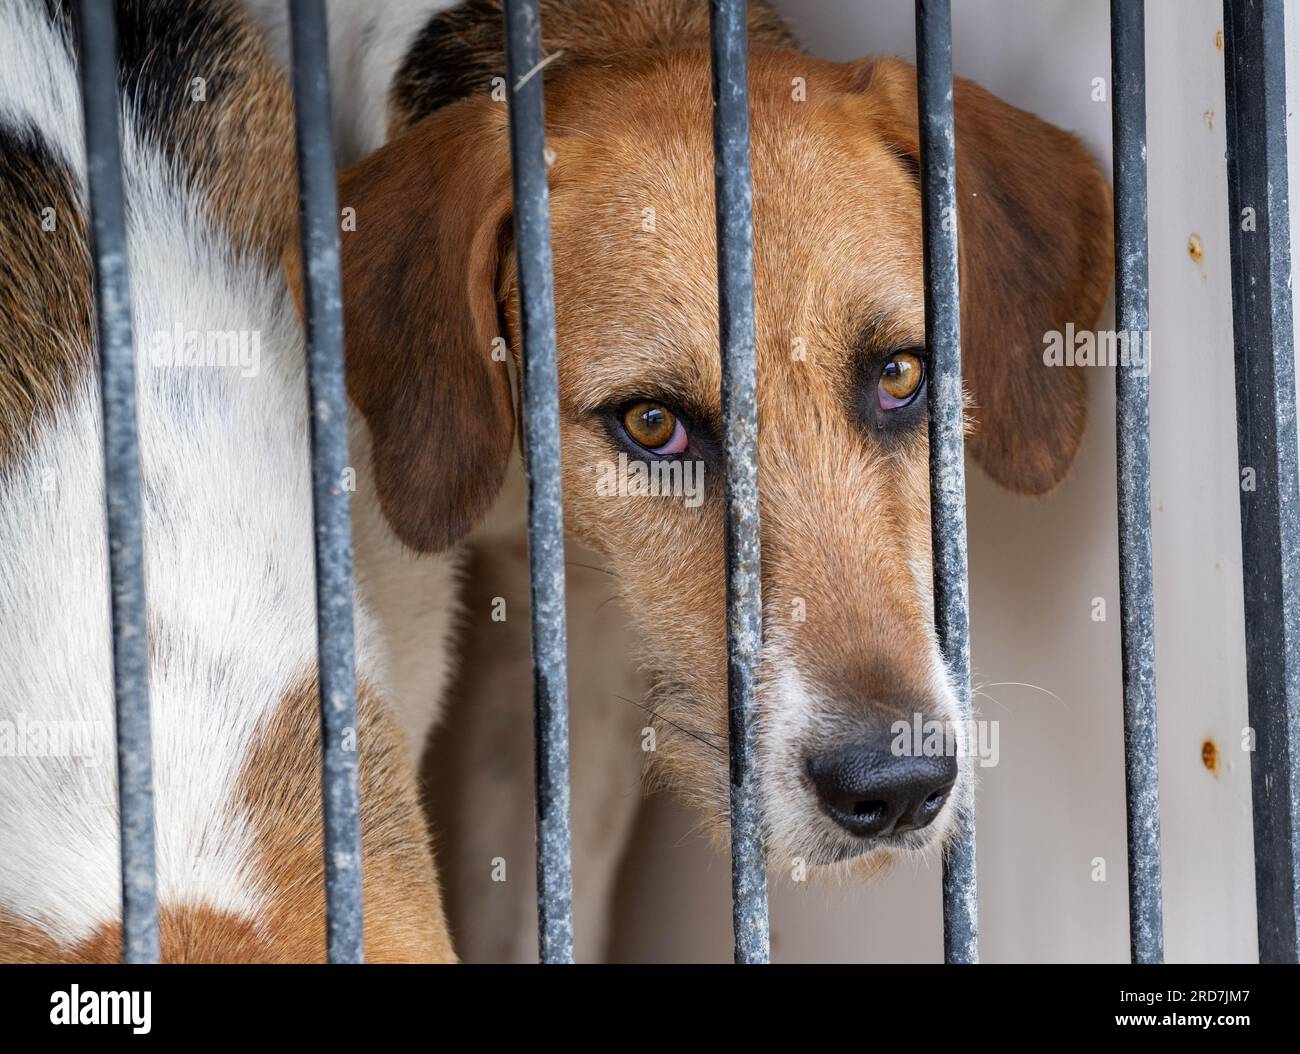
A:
[606,389]
[879,331]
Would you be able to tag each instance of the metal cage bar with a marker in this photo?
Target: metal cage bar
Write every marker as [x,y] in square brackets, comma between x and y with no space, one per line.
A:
[107,200]
[1264,353]
[545,500]
[323,299]
[728,23]
[1133,476]
[947,445]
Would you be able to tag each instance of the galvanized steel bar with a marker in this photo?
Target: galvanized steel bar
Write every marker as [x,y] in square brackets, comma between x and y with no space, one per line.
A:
[101,109]
[947,446]
[1259,230]
[730,46]
[545,504]
[323,298]
[1133,442]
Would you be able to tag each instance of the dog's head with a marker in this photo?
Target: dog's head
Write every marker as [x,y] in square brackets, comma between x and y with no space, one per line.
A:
[849,648]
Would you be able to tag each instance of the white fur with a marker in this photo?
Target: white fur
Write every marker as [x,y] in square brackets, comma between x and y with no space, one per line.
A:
[229,561]
[39,83]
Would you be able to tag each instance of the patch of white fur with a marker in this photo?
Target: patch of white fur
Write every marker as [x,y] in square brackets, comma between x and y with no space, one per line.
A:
[788,722]
[368,43]
[39,84]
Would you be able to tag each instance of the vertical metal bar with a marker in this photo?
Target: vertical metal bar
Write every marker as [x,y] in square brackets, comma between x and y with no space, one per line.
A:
[323,297]
[728,23]
[1133,442]
[947,446]
[545,502]
[1259,229]
[100,106]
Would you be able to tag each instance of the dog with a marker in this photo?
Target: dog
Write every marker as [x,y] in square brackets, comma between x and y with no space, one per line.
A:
[209,168]
[849,652]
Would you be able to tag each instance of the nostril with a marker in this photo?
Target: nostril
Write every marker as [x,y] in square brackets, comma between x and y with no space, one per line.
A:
[871,792]
[931,806]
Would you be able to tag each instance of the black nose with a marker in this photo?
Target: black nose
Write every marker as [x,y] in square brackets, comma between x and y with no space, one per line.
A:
[872,792]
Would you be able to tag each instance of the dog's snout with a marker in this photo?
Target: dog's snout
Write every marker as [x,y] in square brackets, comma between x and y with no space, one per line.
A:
[871,791]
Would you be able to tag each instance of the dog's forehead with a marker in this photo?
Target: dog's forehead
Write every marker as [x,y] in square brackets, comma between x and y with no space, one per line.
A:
[836,236]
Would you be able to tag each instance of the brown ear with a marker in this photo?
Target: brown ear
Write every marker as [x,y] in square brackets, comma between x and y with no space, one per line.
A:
[1036,253]
[421,317]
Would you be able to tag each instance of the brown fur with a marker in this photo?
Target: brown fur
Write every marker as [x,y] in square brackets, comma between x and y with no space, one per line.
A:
[460,51]
[187,934]
[252,188]
[419,278]
[45,321]
[837,254]
[280,785]
[234,145]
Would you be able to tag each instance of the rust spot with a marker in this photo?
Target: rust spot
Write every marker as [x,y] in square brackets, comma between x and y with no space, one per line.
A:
[1195,248]
[1210,756]
[1218,40]
[1208,116]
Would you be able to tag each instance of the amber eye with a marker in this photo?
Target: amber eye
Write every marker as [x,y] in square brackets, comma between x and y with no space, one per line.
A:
[655,427]
[900,380]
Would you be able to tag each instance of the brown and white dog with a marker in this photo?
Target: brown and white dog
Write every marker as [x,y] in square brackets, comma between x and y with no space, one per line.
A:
[849,646]
[208,158]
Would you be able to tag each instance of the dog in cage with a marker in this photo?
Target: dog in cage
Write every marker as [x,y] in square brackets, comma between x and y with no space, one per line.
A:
[849,655]
[209,170]
[433,343]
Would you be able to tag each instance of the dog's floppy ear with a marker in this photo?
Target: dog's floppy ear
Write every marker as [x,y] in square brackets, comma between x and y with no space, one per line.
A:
[1036,253]
[420,288]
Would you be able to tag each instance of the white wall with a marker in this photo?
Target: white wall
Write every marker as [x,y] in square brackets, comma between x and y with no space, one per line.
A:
[1056,800]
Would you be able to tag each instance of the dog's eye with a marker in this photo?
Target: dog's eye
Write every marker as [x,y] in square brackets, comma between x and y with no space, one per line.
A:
[900,380]
[655,427]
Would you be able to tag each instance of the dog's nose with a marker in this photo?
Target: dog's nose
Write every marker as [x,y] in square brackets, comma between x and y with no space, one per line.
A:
[871,792]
